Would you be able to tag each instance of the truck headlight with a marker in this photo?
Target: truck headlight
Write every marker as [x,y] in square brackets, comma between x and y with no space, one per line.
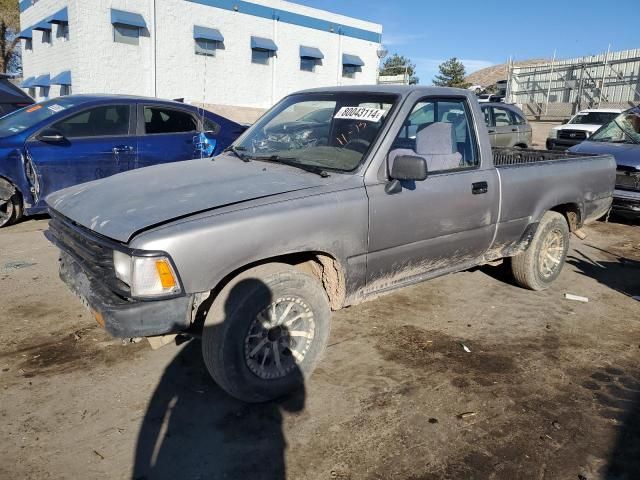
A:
[553,133]
[151,276]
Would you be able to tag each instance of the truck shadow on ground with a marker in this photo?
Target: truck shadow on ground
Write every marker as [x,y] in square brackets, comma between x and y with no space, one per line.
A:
[622,276]
[193,429]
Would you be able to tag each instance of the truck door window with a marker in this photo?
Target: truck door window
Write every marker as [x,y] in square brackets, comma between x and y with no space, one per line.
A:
[168,120]
[96,122]
[424,134]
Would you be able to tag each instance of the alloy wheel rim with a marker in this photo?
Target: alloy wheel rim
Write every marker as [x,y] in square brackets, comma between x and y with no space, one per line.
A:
[551,253]
[279,338]
[6,211]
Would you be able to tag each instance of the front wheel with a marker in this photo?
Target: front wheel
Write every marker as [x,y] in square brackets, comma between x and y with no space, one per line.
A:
[538,266]
[10,209]
[266,332]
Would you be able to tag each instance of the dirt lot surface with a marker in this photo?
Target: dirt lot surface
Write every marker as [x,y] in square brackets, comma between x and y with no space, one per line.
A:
[549,390]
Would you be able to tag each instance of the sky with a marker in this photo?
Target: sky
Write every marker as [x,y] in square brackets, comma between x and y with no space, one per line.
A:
[487,32]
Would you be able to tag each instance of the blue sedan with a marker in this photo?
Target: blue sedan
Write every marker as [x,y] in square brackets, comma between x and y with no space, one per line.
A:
[74,139]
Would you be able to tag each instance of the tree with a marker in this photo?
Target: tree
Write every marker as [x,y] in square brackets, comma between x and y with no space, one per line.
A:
[451,74]
[9,28]
[399,65]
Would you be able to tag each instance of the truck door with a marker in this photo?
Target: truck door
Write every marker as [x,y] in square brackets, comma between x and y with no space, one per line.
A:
[88,145]
[506,133]
[444,222]
[166,134]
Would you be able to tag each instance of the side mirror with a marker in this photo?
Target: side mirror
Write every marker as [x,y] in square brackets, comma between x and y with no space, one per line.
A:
[409,167]
[51,135]
[405,167]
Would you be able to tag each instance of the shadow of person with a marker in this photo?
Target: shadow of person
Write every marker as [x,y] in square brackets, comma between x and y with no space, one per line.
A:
[193,429]
[624,461]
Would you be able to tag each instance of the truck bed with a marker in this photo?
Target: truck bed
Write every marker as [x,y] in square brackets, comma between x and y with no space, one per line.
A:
[503,157]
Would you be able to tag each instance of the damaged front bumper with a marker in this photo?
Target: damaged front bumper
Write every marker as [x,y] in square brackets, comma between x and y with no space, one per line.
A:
[125,318]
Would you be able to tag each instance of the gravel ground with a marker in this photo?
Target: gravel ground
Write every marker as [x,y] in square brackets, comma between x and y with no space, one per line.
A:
[549,390]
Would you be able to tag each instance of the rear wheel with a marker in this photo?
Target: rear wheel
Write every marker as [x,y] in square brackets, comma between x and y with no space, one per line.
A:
[266,332]
[538,266]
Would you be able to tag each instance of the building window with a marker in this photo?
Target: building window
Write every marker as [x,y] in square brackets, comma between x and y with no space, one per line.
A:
[308,64]
[206,47]
[260,57]
[32,92]
[28,44]
[44,92]
[62,33]
[126,34]
[349,71]
[65,90]
[46,36]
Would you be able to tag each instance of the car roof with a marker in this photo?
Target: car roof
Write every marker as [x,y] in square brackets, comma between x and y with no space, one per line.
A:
[403,90]
[604,110]
[96,97]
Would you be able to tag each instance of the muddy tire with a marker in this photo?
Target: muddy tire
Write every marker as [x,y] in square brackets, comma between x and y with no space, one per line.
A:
[538,266]
[265,332]
[10,210]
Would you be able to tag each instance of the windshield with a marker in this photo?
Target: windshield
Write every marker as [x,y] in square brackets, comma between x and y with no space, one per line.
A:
[27,117]
[625,128]
[332,131]
[593,118]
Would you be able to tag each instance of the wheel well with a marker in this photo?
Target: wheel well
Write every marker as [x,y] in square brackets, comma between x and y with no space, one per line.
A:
[571,213]
[321,265]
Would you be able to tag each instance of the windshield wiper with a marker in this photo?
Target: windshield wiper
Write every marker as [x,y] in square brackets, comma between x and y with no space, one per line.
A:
[293,163]
[625,132]
[237,152]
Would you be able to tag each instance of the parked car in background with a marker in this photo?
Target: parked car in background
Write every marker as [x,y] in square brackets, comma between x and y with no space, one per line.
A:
[251,252]
[490,97]
[12,98]
[620,138]
[477,89]
[579,127]
[507,125]
[74,139]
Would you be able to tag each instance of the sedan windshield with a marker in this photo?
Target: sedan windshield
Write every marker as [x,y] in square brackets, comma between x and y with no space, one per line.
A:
[625,128]
[593,118]
[324,131]
[27,117]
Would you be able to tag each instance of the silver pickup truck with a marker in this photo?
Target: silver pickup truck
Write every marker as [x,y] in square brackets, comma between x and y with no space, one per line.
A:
[333,197]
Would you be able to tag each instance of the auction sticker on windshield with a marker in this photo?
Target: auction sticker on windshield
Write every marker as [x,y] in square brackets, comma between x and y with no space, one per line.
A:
[55,108]
[360,113]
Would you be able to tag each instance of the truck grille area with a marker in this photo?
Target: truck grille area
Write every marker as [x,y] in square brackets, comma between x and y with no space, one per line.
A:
[93,253]
[628,181]
[577,135]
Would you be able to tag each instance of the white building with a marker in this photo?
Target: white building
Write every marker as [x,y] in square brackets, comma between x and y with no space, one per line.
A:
[216,52]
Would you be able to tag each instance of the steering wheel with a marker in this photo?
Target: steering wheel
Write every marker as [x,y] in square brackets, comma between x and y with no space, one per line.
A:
[358,144]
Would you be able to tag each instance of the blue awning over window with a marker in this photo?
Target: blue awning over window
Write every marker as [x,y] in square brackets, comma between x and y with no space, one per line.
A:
[120,17]
[27,82]
[61,16]
[63,78]
[41,81]
[204,33]
[352,60]
[258,43]
[44,25]
[311,52]
[26,34]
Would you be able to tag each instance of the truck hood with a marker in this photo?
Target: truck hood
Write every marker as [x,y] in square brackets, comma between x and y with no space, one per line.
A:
[626,154]
[583,127]
[119,206]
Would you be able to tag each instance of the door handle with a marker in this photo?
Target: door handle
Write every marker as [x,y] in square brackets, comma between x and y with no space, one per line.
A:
[492,131]
[479,188]
[514,129]
[122,149]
